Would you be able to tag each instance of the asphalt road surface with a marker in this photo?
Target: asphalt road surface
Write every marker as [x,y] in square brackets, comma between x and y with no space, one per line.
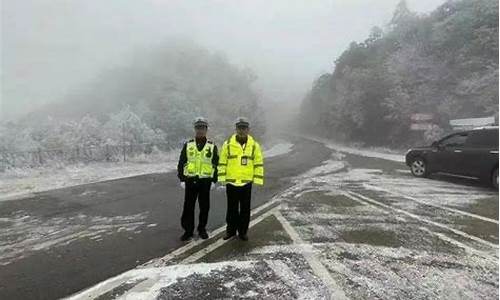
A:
[58,242]
[376,231]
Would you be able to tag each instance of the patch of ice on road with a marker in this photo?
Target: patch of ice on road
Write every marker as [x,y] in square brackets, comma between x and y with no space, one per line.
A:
[23,234]
[14,183]
[278,149]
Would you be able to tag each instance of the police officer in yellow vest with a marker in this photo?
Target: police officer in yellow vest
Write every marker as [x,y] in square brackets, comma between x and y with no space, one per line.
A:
[197,170]
[240,164]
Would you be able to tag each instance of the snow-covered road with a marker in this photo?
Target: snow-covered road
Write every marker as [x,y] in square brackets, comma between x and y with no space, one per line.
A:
[358,226]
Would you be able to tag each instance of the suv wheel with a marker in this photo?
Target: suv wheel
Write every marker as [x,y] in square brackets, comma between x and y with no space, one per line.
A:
[494,178]
[419,167]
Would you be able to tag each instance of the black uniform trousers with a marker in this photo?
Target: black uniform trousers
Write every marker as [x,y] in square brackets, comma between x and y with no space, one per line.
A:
[196,189]
[238,208]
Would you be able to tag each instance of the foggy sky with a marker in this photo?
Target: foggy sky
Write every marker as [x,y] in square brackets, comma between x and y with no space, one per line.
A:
[51,47]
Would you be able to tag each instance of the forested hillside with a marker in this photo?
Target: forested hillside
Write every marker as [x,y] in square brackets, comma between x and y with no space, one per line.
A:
[443,63]
[152,99]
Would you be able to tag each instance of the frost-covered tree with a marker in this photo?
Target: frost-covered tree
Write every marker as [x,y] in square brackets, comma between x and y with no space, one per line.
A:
[126,127]
[14,138]
[166,88]
[444,63]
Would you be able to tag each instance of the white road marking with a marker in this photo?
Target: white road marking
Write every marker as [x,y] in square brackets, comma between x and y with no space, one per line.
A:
[372,187]
[354,196]
[110,283]
[153,281]
[102,287]
[191,245]
[196,256]
[319,269]
[468,249]
[156,278]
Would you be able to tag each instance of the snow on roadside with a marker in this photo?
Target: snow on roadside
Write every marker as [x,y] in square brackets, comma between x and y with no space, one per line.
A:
[18,182]
[23,234]
[374,252]
[381,153]
[366,152]
[424,190]
[15,183]
[278,149]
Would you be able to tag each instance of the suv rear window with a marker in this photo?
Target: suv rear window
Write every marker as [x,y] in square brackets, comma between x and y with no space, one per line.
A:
[485,137]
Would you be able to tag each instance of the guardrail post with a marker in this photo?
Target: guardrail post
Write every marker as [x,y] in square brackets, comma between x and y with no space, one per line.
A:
[107,153]
[40,161]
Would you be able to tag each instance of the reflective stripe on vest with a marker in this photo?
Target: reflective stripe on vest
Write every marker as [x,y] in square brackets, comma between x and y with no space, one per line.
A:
[199,163]
[240,161]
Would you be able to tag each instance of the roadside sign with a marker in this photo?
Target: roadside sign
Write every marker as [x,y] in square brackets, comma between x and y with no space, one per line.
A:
[421,121]
[422,117]
[421,126]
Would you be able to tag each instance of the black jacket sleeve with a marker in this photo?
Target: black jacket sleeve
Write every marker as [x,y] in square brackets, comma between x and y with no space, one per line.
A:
[182,162]
[215,163]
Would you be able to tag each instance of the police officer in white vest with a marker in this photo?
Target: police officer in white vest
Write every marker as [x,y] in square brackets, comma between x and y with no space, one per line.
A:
[197,171]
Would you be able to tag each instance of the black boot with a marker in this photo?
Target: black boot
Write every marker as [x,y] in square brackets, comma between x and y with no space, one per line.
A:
[243,237]
[228,236]
[186,237]
[203,235]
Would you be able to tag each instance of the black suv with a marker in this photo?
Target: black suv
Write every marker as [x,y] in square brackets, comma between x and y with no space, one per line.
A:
[472,153]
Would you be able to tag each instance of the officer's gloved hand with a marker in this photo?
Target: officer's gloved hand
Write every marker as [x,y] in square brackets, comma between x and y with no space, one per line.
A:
[183,185]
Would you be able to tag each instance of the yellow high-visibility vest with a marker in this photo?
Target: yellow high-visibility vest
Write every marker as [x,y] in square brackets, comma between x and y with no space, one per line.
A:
[239,165]
[199,163]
